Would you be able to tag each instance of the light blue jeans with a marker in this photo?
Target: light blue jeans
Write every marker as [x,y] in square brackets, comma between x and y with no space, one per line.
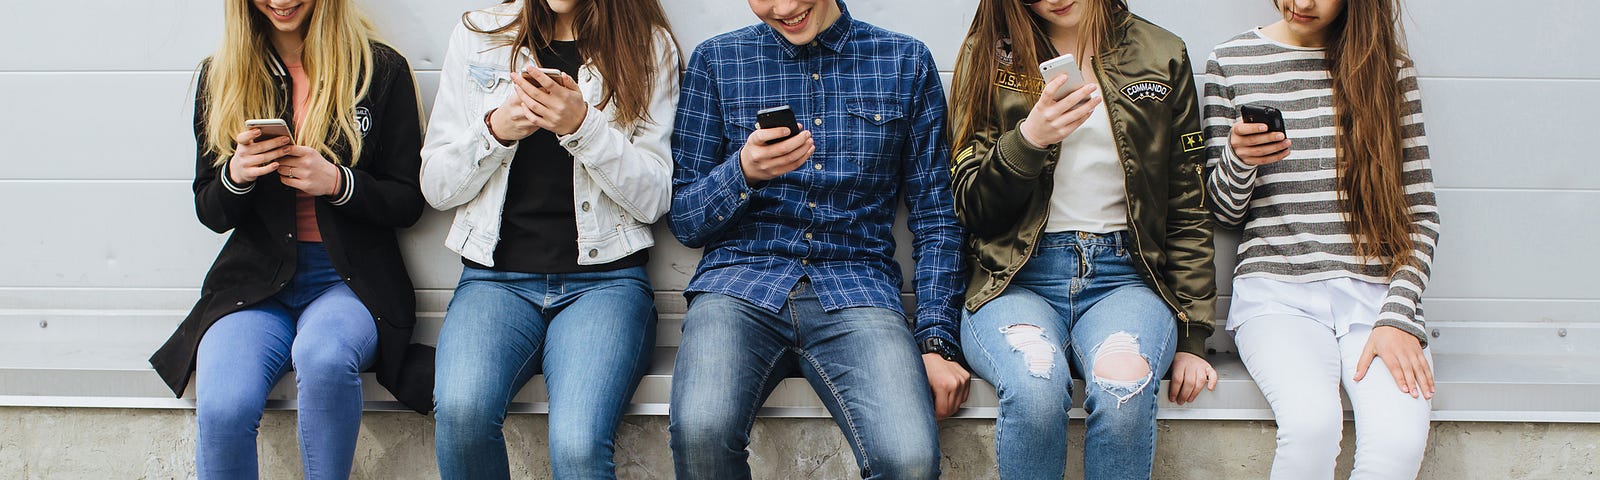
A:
[1078,304]
[316,324]
[862,362]
[591,334]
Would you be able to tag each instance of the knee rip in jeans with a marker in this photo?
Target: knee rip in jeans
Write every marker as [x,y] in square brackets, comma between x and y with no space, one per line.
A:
[1036,351]
[1119,369]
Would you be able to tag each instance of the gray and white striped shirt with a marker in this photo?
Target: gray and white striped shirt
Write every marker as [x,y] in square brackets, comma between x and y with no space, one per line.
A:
[1294,230]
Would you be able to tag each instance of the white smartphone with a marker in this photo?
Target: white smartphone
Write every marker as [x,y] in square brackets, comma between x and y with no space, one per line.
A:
[270,128]
[1062,65]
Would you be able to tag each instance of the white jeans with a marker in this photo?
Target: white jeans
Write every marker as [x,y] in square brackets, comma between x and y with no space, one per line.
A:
[1300,342]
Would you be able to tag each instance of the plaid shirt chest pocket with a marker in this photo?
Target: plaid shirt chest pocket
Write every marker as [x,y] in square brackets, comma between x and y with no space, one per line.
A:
[877,131]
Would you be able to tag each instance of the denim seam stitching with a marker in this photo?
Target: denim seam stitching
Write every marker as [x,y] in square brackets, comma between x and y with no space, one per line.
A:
[844,409]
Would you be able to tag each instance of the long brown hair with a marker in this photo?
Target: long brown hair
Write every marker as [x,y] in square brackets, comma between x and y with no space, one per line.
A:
[338,62]
[618,36]
[999,21]
[1366,50]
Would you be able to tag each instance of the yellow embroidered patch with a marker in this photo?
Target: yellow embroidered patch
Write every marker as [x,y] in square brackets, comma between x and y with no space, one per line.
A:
[1192,141]
[1018,82]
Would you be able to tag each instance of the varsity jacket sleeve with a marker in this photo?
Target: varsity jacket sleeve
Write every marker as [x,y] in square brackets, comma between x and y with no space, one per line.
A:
[459,154]
[382,189]
[991,168]
[1402,307]
[1189,271]
[218,202]
[709,191]
[634,170]
[1229,181]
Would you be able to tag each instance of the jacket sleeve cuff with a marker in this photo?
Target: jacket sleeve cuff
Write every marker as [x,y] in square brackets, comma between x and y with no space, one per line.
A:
[491,148]
[1022,158]
[1192,339]
[347,187]
[593,122]
[233,187]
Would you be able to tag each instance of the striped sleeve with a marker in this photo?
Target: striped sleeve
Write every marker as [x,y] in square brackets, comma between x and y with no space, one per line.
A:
[1403,306]
[1229,181]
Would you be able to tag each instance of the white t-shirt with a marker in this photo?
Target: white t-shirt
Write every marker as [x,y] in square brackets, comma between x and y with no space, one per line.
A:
[1089,194]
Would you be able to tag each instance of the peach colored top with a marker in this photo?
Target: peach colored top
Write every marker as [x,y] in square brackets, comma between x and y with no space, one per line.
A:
[305,205]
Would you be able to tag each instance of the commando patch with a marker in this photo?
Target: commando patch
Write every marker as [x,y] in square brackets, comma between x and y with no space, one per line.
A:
[1147,90]
[1192,141]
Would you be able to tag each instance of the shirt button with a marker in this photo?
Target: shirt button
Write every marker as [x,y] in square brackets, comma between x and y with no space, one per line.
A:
[819,166]
[818,122]
[348,279]
[811,204]
[816,76]
[805,262]
[719,218]
[239,303]
[877,118]
[808,235]
[594,253]
[288,235]
[743,195]
[585,206]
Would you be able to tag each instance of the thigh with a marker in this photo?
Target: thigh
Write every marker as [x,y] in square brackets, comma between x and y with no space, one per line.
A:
[244,353]
[731,355]
[489,344]
[1017,335]
[1376,399]
[1130,314]
[596,349]
[336,323]
[866,367]
[1294,360]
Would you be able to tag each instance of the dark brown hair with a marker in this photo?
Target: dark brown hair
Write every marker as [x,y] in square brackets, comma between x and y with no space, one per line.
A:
[618,36]
[1366,49]
[1010,20]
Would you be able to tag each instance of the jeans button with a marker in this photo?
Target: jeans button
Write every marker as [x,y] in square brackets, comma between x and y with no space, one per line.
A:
[594,253]
[585,206]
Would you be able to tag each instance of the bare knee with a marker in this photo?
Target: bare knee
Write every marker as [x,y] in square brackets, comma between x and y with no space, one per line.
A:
[1117,359]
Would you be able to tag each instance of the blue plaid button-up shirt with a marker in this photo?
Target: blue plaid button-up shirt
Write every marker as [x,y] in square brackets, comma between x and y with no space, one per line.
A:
[873,102]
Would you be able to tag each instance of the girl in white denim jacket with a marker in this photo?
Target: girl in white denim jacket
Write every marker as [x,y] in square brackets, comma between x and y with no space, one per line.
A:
[554,278]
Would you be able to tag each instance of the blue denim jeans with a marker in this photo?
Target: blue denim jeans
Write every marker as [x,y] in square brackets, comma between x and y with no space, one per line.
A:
[591,334]
[862,362]
[316,324]
[1078,301]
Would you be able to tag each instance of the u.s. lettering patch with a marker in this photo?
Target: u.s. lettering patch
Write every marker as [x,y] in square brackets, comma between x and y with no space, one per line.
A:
[1147,90]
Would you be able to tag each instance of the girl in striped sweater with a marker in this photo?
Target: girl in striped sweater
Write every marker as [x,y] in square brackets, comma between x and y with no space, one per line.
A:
[1339,230]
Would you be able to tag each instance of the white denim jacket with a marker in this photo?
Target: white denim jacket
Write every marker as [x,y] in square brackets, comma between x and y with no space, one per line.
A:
[621,176]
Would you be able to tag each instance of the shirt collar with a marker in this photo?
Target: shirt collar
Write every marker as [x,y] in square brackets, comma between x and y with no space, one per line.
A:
[833,38]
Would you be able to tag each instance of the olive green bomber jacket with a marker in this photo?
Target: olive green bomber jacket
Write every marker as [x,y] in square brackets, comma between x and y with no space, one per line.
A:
[1003,184]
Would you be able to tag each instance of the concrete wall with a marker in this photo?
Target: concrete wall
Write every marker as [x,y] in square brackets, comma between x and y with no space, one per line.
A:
[155,444]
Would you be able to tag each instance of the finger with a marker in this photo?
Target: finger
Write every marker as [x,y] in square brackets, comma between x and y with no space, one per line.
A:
[1191,387]
[1366,361]
[541,80]
[792,144]
[522,83]
[1263,138]
[1050,87]
[1425,369]
[1211,375]
[1413,386]
[1172,388]
[1398,374]
[1242,128]
[568,82]
[764,134]
[246,137]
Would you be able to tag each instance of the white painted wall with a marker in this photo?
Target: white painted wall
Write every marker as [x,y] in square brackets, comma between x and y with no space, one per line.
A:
[98,152]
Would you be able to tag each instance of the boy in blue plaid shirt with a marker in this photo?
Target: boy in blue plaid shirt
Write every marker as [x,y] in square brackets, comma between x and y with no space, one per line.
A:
[798,274]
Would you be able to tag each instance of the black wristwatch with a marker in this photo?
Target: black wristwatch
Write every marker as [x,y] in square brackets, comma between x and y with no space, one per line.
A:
[946,350]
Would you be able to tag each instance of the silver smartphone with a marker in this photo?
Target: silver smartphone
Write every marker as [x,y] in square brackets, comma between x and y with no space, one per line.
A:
[270,128]
[1062,65]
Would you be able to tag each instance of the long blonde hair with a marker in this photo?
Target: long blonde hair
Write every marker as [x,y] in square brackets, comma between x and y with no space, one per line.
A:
[337,58]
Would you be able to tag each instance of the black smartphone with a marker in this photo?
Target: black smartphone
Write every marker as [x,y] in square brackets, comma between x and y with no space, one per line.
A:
[1263,114]
[779,116]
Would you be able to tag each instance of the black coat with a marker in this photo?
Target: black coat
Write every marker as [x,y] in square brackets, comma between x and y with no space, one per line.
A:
[260,256]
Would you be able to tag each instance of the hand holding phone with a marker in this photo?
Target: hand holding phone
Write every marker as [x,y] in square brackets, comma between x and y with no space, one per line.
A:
[1259,137]
[769,152]
[554,74]
[1065,102]
[1062,65]
[259,147]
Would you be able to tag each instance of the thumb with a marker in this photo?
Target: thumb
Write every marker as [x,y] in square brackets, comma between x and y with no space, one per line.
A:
[1367,354]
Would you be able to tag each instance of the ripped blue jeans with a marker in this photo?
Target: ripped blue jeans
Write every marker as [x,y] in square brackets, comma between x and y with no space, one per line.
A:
[1077,309]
